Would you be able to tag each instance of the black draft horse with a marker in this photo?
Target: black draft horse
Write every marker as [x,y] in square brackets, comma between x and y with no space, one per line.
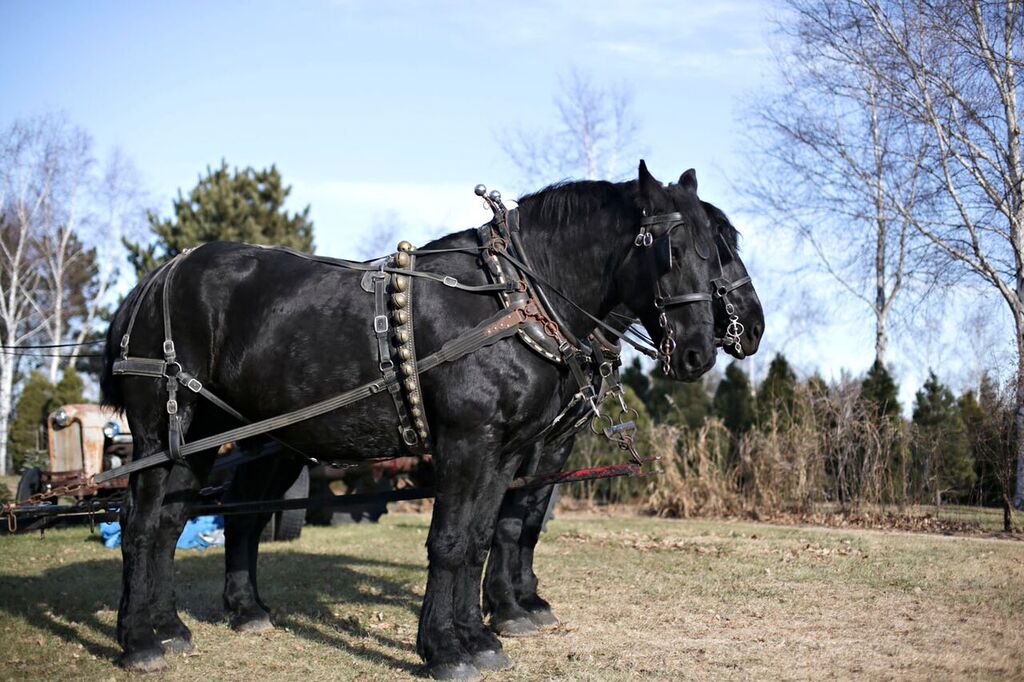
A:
[270,332]
[510,589]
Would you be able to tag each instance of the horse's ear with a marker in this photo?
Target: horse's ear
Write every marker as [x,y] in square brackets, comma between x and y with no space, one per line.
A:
[688,180]
[649,186]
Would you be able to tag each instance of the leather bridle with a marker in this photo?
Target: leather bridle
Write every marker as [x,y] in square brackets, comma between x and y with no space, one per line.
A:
[656,234]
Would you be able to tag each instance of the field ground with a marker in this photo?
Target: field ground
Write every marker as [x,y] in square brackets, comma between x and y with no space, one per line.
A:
[638,596]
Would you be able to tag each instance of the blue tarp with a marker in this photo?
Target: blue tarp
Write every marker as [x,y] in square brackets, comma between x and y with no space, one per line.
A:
[199,533]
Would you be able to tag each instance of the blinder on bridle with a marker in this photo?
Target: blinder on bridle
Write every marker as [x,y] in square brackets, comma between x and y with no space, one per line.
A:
[656,232]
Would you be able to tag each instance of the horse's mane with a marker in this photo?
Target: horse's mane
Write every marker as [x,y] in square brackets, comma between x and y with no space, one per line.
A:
[723,225]
[571,201]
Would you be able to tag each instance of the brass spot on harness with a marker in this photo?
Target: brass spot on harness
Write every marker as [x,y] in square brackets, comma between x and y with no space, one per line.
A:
[400,300]
[414,399]
[402,259]
[408,369]
[403,336]
[404,354]
[405,246]
[400,282]
[401,317]
[410,384]
[416,412]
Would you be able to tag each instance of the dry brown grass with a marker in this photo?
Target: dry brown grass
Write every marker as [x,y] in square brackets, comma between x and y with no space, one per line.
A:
[647,597]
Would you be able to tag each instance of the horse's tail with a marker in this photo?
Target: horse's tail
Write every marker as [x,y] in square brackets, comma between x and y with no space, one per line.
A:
[110,386]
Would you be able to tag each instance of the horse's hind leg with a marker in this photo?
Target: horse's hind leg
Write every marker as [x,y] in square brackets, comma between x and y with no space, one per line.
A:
[182,483]
[507,617]
[140,520]
[268,479]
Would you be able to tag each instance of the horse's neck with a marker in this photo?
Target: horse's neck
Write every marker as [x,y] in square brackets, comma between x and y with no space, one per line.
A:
[580,261]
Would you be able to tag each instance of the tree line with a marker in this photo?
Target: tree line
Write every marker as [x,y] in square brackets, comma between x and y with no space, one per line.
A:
[891,147]
[67,225]
[791,444]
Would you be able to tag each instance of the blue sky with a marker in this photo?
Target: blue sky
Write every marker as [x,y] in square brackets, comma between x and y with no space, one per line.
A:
[379,112]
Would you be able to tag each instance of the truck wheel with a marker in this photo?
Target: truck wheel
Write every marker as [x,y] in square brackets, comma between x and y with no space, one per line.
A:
[288,523]
[31,483]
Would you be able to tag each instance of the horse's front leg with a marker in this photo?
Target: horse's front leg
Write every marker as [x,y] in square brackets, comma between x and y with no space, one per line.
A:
[525,579]
[510,586]
[499,598]
[452,637]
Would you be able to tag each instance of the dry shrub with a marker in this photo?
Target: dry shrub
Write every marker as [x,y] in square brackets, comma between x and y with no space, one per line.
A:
[693,477]
[826,447]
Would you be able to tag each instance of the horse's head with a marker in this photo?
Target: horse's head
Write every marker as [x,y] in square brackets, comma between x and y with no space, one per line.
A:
[667,283]
[739,319]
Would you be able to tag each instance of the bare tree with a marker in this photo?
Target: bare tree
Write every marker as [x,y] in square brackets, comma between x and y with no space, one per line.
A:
[119,213]
[837,167]
[28,166]
[594,135]
[65,209]
[949,70]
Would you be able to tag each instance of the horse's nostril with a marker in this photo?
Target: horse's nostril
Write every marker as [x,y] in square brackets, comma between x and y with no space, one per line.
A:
[692,360]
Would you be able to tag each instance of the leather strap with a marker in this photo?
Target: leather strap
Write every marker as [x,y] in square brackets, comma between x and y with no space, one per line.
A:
[495,328]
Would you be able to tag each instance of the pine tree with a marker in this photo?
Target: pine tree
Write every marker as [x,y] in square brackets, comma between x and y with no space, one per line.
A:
[881,392]
[26,437]
[942,453]
[679,403]
[230,205]
[734,402]
[989,422]
[37,400]
[777,394]
[69,389]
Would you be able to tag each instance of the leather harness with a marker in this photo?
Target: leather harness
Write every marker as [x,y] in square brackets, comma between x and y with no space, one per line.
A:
[526,312]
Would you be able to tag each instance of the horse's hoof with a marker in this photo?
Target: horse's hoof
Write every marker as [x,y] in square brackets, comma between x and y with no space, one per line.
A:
[147,661]
[254,624]
[515,627]
[178,645]
[543,619]
[464,672]
[492,660]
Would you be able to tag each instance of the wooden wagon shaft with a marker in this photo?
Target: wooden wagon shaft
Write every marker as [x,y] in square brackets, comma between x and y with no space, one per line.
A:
[103,509]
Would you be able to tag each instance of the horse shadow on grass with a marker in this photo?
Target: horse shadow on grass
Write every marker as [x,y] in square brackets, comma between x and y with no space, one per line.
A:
[77,602]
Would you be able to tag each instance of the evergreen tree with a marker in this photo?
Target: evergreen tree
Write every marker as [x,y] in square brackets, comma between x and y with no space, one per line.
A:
[37,400]
[777,394]
[989,422]
[679,403]
[881,391]
[26,432]
[734,402]
[228,205]
[942,453]
[69,389]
